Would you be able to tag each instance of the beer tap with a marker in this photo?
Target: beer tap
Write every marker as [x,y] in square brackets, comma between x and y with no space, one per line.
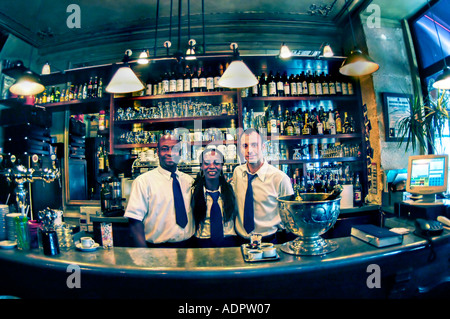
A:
[20,175]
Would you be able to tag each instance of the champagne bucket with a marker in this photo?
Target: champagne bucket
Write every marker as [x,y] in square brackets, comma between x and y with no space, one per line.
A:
[308,219]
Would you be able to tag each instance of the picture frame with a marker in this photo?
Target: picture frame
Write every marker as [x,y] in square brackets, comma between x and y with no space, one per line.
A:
[395,107]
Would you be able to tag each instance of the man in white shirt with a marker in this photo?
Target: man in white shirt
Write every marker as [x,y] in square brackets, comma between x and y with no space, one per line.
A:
[158,216]
[258,198]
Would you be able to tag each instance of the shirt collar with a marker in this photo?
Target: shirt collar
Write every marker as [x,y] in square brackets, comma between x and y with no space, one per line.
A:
[166,173]
[261,171]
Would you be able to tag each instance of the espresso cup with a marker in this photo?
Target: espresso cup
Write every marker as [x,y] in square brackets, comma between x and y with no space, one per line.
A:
[87,242]
[269,252]
[254,254]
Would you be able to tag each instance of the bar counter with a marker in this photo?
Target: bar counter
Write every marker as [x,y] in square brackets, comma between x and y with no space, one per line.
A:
[416,268]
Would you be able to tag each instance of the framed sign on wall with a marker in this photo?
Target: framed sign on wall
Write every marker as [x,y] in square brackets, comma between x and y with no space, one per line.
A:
[395,107]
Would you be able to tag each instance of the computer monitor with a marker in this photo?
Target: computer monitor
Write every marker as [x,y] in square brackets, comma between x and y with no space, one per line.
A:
[427,176]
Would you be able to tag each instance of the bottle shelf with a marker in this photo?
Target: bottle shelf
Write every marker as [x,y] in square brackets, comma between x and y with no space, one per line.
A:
[301,98]
[154,145]
[82,106]
[177,95]
[316,160]
[311,137]
[178,119]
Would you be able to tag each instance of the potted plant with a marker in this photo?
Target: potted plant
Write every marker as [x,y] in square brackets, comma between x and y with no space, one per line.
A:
[425,122]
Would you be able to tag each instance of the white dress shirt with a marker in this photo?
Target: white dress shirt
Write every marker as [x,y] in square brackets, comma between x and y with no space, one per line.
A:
[204,229]
[270,184]
[151,201]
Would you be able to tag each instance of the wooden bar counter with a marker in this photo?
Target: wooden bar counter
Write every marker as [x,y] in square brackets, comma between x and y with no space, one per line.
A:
[416,268]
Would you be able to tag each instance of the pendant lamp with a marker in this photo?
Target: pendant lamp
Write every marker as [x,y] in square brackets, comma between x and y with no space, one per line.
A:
[357,63]
[190,52]
[237,75]
[442,82]
[28,83]
[285,53]
[125,80]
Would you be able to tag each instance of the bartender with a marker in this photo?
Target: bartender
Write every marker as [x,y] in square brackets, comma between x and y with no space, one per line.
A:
[213,203]
[257,185]
[158,209]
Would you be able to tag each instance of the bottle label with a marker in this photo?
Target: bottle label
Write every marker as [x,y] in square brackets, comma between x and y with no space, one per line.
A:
[338,88]
[180,85]
[312,88]
[210,83]
[332,88]
[280,86]
[299,88]
[255,89]
[165,86]
[172,85]
[294,88]
[272,88]
[344,89]
[187,85]
[287,90]
[216,82]
[194,83]
[319,88]
[325,88]
[264,90]
[305,87]
[202,82]
[350,88]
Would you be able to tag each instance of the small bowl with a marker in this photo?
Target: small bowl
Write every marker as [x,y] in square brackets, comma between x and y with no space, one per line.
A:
[254,254]
[269,252]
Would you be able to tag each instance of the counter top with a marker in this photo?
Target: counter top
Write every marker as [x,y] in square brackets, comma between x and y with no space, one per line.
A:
[206,264]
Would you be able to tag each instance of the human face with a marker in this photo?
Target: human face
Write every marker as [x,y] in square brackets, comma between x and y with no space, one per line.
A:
[212,165]
[252,148]
[168,153]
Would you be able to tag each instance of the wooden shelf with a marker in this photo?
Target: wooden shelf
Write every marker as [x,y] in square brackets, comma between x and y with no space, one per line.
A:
[301,98]
[154,145]
[310,137]
[78,106]
[179,119]
[317,160]
[177,95]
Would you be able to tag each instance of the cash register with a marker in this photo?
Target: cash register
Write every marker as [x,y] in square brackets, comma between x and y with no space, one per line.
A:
[427,180]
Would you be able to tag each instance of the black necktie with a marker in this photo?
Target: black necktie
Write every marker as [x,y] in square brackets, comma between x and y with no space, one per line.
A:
[215,217]
[249,210]
[180,210]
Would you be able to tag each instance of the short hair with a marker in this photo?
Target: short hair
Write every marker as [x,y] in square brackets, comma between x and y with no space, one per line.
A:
[166,137]
[250,131]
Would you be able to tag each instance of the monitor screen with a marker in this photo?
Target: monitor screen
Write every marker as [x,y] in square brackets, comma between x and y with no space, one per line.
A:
[427,174]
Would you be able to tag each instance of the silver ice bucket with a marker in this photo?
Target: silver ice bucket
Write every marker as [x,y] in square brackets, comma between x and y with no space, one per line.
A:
[308,219]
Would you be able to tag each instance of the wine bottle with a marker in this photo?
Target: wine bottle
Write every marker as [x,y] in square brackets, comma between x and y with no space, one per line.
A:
[299,84]
[194,81]
[311,84]
[272,85]
[357,193]
[202,81]
[187,81]
[209,81]
[305,85]
[318,84]
[293,85]
[165,84]
[95,87]
[325,86]
[180,82]
[280,84]
[331,124]
[263,84]
[286,85]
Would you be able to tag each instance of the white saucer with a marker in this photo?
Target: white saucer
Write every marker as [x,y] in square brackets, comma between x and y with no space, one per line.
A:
[94,247]
[8,244]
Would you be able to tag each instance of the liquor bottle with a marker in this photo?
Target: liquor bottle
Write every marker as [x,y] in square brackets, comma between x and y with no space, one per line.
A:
[52,95]
[272,122]
[346,127]
[264,90]
[255,88]
[187,81]
[165,84]
[280,121]
[280,84]
[325,85]
[202,81]
[101,158]
[313,122]
[344,85]
[311,84]
[319,125]
[57,95]
[194,81]
[44,97]
[357,193]
[318,84]
[94,93]
[209,81]
[331,124]
[338,122]
[350,87]
[217,77]
[289,127]
[180,81]
[84,93]
[298,82]
[331,85]
[305,85]
[293,85]
[101,120]
[100,88]
[286,85]
[306,128]
[338,85]
[89,89]
[272,85]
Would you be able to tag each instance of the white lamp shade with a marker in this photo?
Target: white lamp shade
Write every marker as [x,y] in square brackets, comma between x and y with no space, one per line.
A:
[28,84]
[358,64]
[237,76]
[285,53]
[124,81]
[327,51]
[443,81]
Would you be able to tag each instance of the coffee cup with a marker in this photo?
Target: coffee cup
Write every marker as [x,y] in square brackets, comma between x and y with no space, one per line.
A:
[254,254]
[87,242]
[269,252]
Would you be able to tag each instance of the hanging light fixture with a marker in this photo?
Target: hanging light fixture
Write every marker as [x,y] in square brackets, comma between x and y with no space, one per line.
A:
[357,63]
[125,80]
[143,57]
[45,69]
[28,83]
[237,75]
[442,82]
[285,53]
[190,52]
[327,51]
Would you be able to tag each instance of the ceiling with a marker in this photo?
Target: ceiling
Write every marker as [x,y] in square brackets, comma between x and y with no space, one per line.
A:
[108,27]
